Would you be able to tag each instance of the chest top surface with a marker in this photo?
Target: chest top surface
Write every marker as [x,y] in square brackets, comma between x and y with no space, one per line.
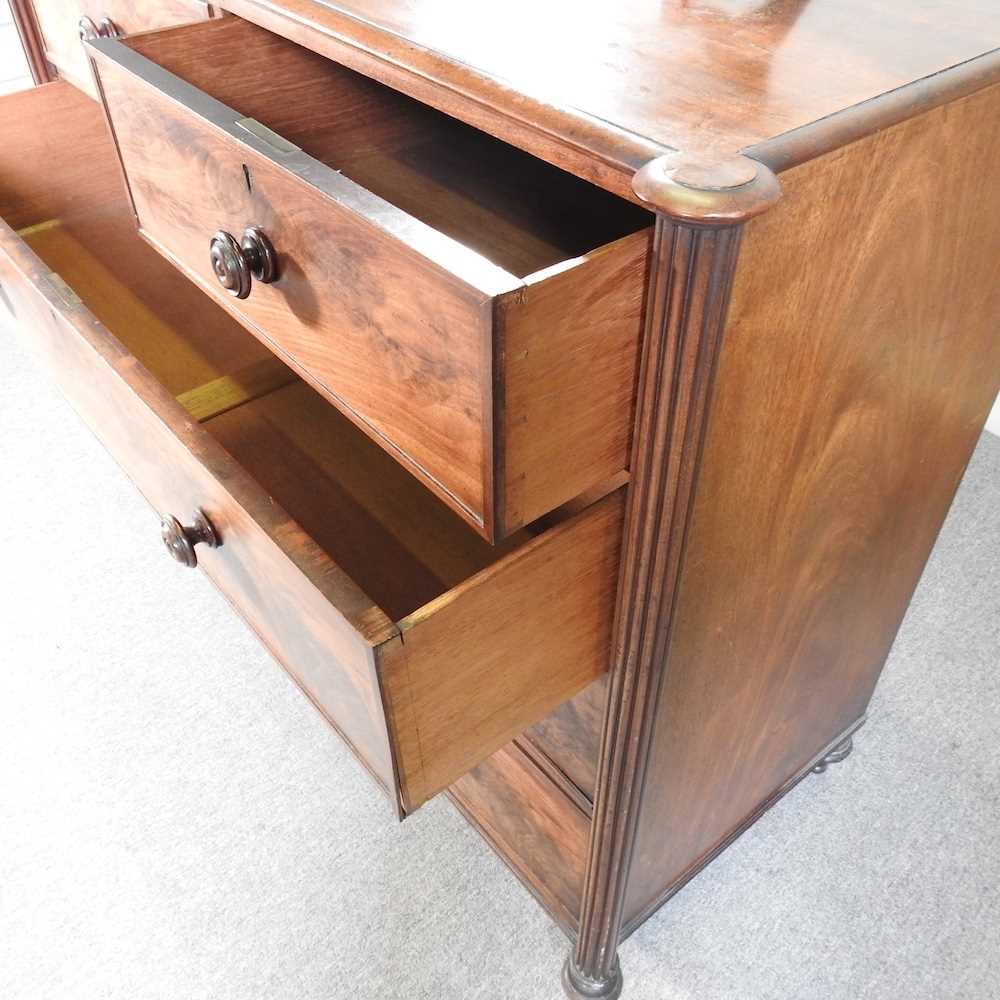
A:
[707,76]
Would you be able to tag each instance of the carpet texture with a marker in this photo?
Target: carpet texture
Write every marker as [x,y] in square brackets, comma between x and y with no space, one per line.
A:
[177,822]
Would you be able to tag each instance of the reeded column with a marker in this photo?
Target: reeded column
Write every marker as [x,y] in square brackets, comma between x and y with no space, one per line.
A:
[701,211]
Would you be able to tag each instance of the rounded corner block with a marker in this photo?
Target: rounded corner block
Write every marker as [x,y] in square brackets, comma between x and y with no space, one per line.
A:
[707,192]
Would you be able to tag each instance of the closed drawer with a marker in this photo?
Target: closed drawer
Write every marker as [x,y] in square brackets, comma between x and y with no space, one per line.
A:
[62,23]
[472,309]
[425,646]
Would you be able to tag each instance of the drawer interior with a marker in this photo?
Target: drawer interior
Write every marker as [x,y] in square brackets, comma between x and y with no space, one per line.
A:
[380,525]
[427,648]
[515,210]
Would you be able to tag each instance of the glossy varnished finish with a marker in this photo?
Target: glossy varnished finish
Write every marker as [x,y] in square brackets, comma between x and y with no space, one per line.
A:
[427,648]
[692,271]
[820,352]
[741,72]
[59,24]
[860,359]
[508,392]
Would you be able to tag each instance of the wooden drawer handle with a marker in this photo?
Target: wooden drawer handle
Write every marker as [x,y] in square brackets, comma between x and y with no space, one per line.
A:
[236,264]
[180,540]
[105,29]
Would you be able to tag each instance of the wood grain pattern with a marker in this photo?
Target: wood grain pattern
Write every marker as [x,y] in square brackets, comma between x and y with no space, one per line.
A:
[514,210]
[534,828]
[570,351]
[570,736]
[476,667]
[59,24]
[351,299]
[599,103]
[691,272]
[860,360]
[467,667]
[366,288]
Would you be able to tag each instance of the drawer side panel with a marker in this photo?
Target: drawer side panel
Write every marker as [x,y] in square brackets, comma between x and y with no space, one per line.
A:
[860,359]
[498,653]
[570,345]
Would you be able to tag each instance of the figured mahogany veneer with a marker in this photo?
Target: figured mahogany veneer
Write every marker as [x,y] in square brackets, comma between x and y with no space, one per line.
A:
[860,359]
[852,369]
[817,314]
[59,27]
[602,89]
[460,646]
[472,309]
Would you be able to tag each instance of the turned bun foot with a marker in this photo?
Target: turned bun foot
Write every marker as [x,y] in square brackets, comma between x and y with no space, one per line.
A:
[579,986]
[840,752]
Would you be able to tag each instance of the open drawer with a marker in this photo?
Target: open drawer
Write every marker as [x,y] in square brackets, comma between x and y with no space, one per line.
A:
[425,646]
[473,309]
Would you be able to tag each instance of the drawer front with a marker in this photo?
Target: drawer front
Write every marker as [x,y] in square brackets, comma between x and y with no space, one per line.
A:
[60,25]
[396,342]
[310,619]
[414,336]
[499,637]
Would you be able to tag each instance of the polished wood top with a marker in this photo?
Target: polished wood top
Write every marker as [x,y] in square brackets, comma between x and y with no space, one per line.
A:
[625,81]
[706,75]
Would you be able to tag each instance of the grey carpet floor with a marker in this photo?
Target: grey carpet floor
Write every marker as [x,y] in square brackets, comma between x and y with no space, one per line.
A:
[177,822]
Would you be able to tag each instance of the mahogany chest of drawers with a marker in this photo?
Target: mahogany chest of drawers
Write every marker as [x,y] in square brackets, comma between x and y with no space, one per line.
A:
[571,421]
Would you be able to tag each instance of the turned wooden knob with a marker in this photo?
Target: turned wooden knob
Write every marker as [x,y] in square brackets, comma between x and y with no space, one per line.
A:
[180,540]
[106,28]
[237,264]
